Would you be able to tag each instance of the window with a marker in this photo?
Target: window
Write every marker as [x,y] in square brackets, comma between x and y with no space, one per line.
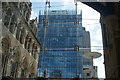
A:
[88,74]
[12,69]
[12,24]
[7,17]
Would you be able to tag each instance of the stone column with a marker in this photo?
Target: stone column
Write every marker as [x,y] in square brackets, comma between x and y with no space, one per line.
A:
[22,36]
[111,49]
[18,33]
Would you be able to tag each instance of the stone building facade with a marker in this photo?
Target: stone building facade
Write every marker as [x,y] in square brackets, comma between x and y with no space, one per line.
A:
[20,47]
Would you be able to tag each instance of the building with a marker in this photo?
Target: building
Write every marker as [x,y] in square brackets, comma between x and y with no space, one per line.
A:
[56,74]
[20,47]
[64,42]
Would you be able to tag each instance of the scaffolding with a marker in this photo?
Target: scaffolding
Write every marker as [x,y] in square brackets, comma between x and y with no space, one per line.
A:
[63,40]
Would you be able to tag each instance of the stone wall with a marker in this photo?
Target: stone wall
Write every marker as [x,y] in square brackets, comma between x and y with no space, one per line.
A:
[20,47]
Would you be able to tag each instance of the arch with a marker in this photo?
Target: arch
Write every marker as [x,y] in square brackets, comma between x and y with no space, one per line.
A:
[104,10]
[6,43]
[109,21]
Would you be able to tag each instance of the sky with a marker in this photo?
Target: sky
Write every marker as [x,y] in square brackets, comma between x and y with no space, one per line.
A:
[90,20]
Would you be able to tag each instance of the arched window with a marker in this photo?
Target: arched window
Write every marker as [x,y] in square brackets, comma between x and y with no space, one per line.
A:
[29,44]
[4,10]
[18,32]
[22,36]
[7,17]
[26,41]
[24,7]
[5,45]
[36,52]
[27,16]
[20,6]
[12,24]
[33,49]
[12,69]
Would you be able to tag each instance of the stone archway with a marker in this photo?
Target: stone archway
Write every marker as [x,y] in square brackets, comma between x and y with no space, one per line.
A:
[110,18]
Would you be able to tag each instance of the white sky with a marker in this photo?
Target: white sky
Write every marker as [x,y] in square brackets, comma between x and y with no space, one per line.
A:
[91,25]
